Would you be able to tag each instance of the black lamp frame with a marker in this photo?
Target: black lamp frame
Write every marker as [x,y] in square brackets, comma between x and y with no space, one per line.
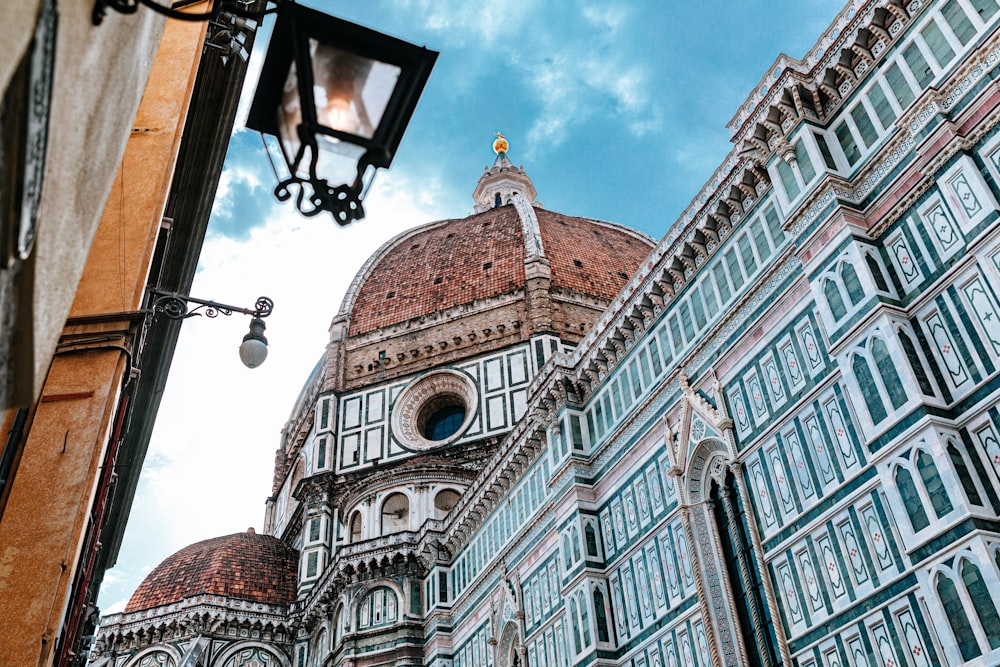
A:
[289,43]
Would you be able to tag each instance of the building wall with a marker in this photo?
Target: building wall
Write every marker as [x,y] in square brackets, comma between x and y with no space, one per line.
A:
[858,421]
[86,138]
[868,494]
[47,511]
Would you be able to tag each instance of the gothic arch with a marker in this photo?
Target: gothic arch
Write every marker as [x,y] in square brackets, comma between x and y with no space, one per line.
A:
[509,648]
[233,657]
[352,608]
[173,658]
[737,604]
[339,616]
[708,461]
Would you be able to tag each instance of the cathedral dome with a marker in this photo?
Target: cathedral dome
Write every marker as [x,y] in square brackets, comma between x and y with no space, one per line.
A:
[454,262]
[244,566]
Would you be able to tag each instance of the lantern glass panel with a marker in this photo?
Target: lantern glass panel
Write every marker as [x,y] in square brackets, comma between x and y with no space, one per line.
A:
[351,91]
[336,162]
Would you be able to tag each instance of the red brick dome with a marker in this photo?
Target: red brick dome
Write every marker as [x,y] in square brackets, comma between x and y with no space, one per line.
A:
[454,262]
[245,566]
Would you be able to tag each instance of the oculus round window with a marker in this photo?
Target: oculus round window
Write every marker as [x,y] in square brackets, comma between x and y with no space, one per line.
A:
[443,422]
[434,410]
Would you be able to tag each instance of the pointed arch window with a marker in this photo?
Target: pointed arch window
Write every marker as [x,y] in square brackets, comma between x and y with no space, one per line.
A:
[876,270]
[574,539]
[916,364]
[890,376]
[936,490]
[585,618]
[590,536]
[318,650]
[982,602]
[911,499]
[835,299]
[957,618]
[601,614]
[961,467]
[851,283]
[869,389]
[574,614]
[338,625]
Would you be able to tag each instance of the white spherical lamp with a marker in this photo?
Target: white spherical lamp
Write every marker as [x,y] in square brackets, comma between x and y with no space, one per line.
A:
[253,349]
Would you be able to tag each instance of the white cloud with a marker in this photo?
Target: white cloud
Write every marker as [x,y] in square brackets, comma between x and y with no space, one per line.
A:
[115,607]
[479,23]
[573,61]
[605,16]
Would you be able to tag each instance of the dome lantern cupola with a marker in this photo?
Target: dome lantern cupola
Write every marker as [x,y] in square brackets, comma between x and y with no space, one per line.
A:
[502,181]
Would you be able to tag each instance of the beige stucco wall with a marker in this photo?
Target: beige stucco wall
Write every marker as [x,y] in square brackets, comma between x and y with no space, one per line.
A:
[100,73]
[43,524]
[46,512]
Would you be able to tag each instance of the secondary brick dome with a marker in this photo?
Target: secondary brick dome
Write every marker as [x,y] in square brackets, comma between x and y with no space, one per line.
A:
[454,262]
[245,566]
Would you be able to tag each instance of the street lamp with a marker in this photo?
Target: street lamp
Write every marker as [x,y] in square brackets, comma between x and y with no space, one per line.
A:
[253,349]
[337,98]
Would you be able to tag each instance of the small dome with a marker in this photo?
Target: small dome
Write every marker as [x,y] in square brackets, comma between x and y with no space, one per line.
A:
[244,566]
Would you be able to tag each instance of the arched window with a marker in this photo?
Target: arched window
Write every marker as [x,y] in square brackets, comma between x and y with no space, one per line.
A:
[395,514]
[601,613]
[964,475]
[318,651]
[933,484]
[338,625]
[574,614]
[574,534]
[957,618]
[497,201]
[866,381]
[834,298]
[356,527]
[890,376]
[982,602]
[876,271]
[590,537]
[911,500]
[915,363]
[585,618]
[444,501]
[851,283]
[377,609]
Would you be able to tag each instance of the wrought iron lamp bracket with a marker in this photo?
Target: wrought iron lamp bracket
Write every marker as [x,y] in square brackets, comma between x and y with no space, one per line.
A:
[180,306]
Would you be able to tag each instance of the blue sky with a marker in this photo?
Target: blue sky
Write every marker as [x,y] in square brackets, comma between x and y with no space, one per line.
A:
[617,110]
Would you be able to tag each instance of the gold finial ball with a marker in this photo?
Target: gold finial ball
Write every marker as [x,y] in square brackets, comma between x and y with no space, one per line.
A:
[499,144]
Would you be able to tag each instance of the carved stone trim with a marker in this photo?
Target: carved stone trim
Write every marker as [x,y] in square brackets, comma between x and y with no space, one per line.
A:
[424,394]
